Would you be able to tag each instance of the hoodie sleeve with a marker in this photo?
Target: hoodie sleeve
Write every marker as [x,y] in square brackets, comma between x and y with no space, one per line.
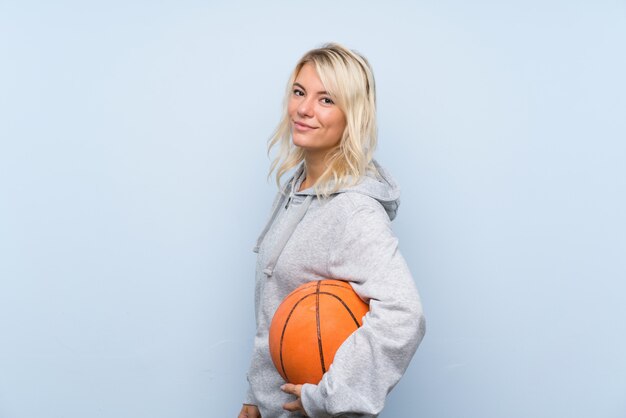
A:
[374,358]
[250,399]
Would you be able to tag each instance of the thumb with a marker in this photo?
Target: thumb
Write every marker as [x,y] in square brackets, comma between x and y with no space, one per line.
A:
[292,389]
[288,388]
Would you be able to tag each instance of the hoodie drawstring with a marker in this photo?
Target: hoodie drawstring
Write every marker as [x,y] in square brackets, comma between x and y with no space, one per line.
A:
[286,234]
[277,207]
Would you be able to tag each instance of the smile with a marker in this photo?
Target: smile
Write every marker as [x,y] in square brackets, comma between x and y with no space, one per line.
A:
[302,127]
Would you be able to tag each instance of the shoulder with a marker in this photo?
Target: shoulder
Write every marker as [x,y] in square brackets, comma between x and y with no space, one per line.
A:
[349,205]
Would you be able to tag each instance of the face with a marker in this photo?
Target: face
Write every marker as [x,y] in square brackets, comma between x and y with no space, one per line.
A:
[317,124]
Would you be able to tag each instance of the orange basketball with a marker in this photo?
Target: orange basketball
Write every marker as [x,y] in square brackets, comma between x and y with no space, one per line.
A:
[310,325]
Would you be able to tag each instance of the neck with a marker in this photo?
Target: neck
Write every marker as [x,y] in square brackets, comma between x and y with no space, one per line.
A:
[314,168]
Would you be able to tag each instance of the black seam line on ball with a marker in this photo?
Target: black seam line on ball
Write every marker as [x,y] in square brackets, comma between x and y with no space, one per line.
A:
[282,335]
[317,319]
[345,305]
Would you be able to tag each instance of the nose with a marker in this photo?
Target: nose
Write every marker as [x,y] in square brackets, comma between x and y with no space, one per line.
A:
[305,107]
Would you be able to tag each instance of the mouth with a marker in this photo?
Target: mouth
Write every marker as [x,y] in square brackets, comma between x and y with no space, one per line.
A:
[300,126]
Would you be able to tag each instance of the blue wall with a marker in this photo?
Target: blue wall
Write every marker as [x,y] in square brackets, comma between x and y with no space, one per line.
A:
[132,188]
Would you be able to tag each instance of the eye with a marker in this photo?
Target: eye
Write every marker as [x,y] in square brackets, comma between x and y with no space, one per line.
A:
[298,92]
[327,101]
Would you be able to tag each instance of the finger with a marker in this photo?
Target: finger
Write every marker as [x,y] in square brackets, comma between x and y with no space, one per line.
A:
[292,389]
[293,406]
[249,411]
[243,413]
[288,388]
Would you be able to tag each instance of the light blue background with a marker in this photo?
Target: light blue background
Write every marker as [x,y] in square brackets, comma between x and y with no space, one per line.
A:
[132,189]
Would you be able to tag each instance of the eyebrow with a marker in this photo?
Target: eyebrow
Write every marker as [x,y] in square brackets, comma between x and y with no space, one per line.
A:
[302,87]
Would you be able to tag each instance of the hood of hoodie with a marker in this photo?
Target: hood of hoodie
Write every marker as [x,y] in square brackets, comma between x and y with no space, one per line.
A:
[379,186]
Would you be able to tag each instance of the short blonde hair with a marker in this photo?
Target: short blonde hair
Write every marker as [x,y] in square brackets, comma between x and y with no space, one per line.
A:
[348,78]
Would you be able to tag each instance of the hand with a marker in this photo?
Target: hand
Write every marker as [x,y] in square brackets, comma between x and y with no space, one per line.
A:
[295,406]
[249,411]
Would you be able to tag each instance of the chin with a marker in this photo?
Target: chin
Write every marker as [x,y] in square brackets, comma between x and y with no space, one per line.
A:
[300,142]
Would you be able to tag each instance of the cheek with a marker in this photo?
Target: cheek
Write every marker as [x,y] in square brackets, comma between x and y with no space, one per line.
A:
[291,108]
[333,120]
[338,123]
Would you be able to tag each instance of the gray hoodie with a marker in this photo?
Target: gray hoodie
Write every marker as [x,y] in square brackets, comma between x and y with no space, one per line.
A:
[346,237]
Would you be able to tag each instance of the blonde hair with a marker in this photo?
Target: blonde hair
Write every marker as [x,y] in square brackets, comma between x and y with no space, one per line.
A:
[348,78]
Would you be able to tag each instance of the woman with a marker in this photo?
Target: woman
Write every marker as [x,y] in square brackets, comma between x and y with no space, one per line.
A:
[331,220]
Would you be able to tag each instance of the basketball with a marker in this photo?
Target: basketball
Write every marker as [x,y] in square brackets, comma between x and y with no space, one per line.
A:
[310,325]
